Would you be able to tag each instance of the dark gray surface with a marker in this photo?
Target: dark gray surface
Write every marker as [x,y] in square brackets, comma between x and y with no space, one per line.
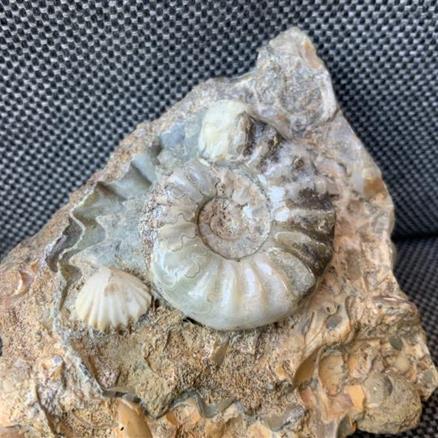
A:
[76,76]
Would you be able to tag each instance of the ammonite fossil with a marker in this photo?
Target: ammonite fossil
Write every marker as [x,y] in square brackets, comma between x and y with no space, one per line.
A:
[233,231]
[238,246]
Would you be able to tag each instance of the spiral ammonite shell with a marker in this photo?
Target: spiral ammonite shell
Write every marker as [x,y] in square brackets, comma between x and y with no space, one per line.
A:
[235,249]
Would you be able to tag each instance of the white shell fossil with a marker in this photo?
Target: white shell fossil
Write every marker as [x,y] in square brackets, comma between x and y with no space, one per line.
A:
[110,298]
[224,130]
[231,248]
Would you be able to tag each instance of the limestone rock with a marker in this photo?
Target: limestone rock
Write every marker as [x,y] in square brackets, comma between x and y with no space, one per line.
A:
[256,229]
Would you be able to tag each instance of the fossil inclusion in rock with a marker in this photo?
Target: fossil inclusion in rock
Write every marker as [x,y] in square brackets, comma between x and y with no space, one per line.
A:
[238,248]
[110,298]
[228,274]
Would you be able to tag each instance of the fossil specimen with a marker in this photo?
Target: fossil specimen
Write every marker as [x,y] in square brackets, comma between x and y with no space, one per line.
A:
[238,248]
[229,273]
[110,298]
[224,131]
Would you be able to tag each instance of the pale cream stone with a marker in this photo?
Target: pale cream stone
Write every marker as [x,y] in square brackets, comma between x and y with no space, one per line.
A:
[224,130]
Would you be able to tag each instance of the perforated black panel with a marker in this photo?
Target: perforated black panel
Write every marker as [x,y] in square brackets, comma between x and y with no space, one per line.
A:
[75,76]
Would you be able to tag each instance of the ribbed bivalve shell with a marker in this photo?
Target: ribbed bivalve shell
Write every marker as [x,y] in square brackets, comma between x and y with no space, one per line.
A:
[111,298]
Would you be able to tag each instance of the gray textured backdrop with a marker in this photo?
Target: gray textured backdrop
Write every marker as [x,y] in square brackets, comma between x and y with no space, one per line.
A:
[76,76]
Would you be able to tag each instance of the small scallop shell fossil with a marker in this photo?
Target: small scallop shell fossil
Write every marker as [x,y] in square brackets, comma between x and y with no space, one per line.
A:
[110,298]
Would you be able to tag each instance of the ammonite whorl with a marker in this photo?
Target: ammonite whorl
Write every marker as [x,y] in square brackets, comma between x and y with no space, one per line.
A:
[236,246]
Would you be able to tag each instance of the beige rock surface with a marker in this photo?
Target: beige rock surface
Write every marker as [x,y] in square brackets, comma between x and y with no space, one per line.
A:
[352,355]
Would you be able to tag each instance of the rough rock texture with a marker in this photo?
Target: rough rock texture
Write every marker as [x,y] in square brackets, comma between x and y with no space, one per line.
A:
[352,355]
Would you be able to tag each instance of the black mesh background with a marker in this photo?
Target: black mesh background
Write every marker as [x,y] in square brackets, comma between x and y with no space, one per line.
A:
[76,76]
